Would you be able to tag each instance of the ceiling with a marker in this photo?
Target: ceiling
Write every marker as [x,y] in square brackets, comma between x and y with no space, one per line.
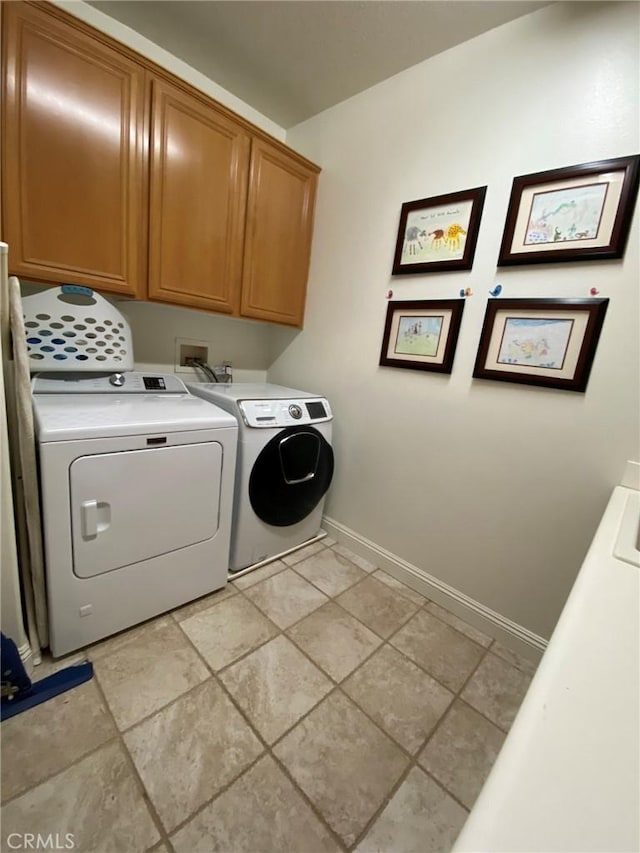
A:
[291,59]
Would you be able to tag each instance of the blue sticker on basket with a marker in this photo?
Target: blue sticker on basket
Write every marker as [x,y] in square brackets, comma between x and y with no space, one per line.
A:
[77,288]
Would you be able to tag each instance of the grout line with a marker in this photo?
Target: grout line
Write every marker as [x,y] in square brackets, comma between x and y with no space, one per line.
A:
[267,749]
[146,798]
[414,759]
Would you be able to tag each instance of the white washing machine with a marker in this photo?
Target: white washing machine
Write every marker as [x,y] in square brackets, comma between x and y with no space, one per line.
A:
[284,467]
[136,480]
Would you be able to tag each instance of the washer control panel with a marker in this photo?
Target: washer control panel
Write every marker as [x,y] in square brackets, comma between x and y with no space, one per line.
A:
[282,413]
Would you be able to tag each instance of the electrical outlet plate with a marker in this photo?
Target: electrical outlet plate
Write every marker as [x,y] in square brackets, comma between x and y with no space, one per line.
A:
[187,348]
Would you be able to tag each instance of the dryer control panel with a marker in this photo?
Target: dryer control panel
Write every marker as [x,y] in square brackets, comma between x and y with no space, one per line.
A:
[282,413]
[129,382]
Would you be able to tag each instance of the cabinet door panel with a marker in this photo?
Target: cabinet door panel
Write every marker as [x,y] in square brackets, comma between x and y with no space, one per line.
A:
[73,155]
[199,167]
[278,236]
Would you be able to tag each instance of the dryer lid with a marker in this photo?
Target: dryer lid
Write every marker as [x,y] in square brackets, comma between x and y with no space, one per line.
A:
[61,417]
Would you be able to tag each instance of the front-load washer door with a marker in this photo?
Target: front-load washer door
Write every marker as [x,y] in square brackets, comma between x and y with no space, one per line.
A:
[138,504]
[290,476]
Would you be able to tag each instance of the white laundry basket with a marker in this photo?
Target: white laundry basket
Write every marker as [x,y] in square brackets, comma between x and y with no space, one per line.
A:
[72,328]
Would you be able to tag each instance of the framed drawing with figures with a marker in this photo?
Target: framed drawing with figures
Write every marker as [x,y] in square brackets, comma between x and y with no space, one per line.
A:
[439,233]
[579,213]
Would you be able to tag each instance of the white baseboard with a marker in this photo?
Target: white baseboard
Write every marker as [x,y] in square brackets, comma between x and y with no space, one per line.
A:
[509,633]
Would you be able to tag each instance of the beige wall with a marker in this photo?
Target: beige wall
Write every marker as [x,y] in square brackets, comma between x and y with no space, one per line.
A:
[494,488]
[156,330]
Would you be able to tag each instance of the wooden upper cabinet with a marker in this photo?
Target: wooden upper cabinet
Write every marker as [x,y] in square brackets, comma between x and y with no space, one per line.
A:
[73,155]
[280,208]
[198,188]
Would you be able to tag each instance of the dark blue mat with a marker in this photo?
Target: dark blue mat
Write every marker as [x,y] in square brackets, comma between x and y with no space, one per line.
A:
[19,693]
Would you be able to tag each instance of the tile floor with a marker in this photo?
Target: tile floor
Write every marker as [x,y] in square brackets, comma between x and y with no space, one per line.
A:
[316,704]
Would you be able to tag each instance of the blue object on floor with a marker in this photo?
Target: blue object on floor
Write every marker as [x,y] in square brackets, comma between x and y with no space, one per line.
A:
[19,693]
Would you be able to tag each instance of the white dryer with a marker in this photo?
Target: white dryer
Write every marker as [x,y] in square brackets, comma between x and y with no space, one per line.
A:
[284,468]
[136,480]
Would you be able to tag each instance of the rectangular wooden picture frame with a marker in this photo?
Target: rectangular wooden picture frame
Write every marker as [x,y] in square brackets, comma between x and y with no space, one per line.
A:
[438,234]
[546,342]
[579,213]
[421,335]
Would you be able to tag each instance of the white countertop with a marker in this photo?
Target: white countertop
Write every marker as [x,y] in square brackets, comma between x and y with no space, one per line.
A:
[568,776]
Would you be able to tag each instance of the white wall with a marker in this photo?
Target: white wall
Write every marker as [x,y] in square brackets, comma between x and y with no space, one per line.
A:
[494,488]
[125,35]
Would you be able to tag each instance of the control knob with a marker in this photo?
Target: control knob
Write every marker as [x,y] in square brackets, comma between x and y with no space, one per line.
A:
[117,379]
[295,411]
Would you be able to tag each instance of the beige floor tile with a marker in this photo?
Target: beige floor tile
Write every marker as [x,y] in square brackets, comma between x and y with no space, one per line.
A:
[124,638]
[227,631]
[514,658]
[330,572]
[257,575]
[303,553]
[190,750]
[261,811]
[46,739]
[286,598]
[462,751]
[400,587]
[445,653]
[204,603]
[359,561]
[142,677]
[497,690]
[459,624]
[334,640]
[344,764]
[98,801]
[377,605]
[400,697]
[275,686]
[328,541]
[421,818]
[50,665]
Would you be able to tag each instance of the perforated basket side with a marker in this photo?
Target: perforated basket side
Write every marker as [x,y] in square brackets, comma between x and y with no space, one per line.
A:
[73,328]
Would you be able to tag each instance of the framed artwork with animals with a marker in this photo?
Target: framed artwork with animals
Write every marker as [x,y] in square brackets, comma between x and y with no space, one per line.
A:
[439,233]
[546,342]
[577,213]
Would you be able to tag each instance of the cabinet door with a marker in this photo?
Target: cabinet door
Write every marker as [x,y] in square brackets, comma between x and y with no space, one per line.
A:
[198,187]
[280,209]
[73,152]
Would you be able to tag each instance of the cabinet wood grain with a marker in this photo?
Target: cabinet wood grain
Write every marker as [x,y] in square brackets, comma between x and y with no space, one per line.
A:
[122,177]
[73,155]
[280,210]
[198,187]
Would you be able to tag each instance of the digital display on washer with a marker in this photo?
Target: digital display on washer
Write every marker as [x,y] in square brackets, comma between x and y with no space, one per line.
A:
[316,410]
